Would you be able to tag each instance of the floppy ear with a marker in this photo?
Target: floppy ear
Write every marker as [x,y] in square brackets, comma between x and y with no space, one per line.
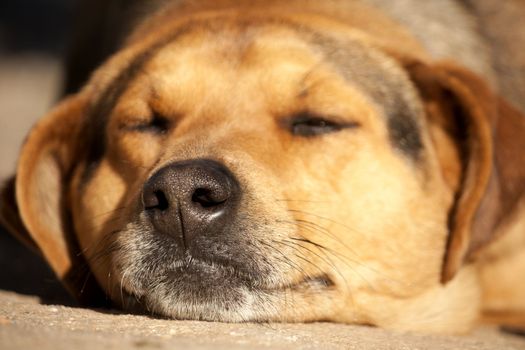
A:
[489,137]
[34,203]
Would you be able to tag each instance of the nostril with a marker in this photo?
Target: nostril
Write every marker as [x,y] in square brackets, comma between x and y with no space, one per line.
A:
[163,203]
[155,200]
[207,198]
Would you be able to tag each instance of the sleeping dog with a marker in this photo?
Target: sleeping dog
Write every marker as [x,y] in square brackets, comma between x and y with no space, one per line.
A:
[349,161]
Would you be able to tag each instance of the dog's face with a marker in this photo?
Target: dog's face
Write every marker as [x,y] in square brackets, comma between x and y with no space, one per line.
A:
[235,172]
[246,176]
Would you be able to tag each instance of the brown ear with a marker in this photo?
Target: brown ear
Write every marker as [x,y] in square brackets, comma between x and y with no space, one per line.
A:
[489,136]
[34,203]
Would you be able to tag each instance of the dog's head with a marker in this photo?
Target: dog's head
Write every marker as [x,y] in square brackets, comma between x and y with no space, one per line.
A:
[237,170]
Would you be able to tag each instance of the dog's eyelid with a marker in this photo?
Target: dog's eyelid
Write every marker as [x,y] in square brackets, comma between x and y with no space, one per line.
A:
[156,124]
[307,123]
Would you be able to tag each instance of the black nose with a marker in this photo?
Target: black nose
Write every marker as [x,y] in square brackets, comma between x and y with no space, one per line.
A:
[191,198]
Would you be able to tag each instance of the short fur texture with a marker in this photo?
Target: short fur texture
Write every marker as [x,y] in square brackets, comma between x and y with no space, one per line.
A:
[401,207]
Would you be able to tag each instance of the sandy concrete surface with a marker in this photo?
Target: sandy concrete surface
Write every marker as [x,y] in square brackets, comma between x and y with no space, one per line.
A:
[26,324]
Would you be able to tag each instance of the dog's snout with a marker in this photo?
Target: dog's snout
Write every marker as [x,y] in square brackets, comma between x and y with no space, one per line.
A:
[191,198]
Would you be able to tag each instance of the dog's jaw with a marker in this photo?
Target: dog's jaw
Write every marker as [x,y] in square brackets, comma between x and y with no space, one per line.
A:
[182,287]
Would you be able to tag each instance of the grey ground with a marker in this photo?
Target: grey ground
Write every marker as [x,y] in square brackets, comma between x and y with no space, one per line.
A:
[32,311]
[26,324]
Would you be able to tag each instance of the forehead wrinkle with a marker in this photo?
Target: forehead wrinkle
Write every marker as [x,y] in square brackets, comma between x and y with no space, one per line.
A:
[306,83]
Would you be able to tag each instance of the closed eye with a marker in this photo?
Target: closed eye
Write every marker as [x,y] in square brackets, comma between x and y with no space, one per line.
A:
[157,124]
[308,124]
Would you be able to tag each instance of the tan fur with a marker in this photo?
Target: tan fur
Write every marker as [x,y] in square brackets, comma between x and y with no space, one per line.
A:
[500,267]
[383,220]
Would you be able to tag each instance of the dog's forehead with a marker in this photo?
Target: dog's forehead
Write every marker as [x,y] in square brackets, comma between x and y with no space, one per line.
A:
[374,73]
[234,68]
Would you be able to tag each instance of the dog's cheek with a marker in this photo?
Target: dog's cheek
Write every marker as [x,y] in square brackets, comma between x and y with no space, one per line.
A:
[396,230]
[99,208]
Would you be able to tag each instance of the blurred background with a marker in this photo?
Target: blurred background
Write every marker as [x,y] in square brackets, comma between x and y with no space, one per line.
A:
[33,41]
[34,36]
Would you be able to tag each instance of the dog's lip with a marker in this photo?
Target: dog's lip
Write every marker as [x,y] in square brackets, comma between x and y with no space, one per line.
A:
[198,265]
[241,279]
[309,282]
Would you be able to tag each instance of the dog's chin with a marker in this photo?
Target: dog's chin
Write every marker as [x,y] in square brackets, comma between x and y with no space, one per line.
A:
[196,290]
